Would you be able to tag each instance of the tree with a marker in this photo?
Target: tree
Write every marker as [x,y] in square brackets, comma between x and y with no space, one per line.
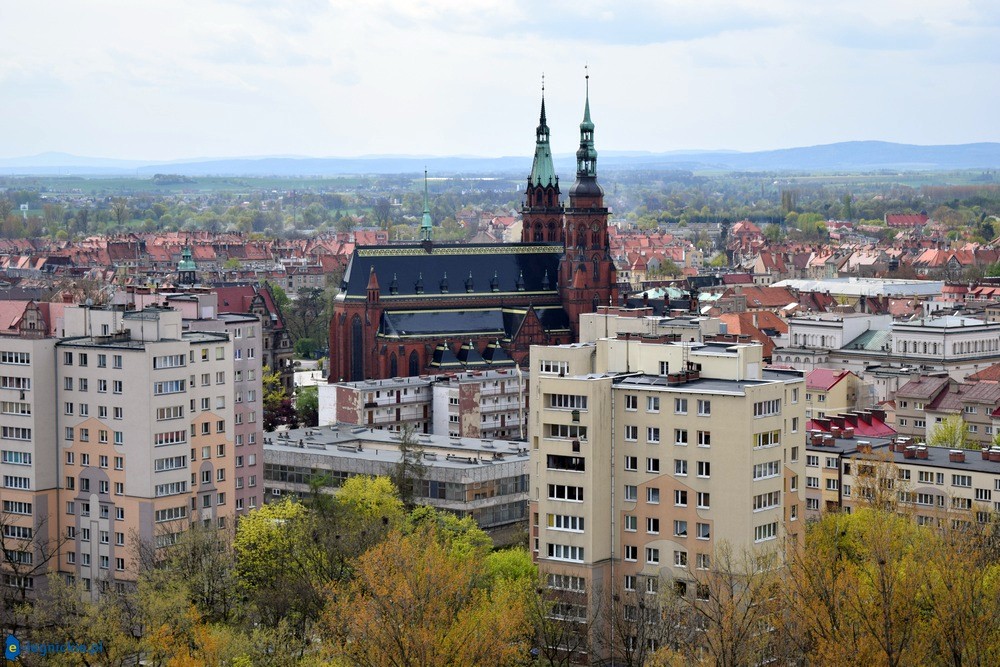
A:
[278,407]
[307,406]
[120,211]
[415,601]
[382,212]
[953,432]
[410,471]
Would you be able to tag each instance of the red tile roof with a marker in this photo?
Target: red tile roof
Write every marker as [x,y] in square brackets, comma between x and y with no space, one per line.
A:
[825,379]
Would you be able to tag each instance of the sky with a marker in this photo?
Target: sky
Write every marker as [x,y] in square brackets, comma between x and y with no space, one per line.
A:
[162,80]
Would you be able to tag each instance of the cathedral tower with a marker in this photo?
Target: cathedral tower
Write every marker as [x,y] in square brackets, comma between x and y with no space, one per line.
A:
[587,276]
[542,213]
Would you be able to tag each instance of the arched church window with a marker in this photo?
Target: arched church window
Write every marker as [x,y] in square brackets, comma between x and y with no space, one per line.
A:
[414,363]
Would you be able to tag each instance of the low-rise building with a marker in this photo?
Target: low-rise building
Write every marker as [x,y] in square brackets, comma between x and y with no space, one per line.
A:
[484,479]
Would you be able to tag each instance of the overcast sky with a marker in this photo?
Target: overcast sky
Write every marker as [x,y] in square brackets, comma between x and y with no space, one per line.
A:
[147,79]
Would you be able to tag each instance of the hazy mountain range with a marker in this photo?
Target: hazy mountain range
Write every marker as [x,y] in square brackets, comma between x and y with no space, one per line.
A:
[845,156]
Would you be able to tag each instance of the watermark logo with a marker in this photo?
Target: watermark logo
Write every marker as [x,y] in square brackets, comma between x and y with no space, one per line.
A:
[11,647]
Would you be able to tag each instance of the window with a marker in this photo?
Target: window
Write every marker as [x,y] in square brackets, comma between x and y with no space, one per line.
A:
[631,493]
[703,561]
[652,404]
[102,386]
[681,437]
[961,480]
[680,559]
[631,402]
[681,467]
[812,482]
[652,525]
[812,460]
[704,439]
[832,484]
[557,402]
[15,458]
[768,531]
[680,406]
[631,552]
[563,492]
[652,556]
[680,528]
[631,523]
[68,384]
[767,408]
[766,501]
[565,552]
[766,439]
[116,386]
[652,465]
[630,580]
[664,368]
[704,408]
[704,500]
[812,504]
[704,469]
[631,433]
[680,498]
[67,358]
[653,435]
[631,463]
[704,531]
[652,495]
[160,388]
[15,433]
[117,361]
[18,358]
[553,367]
[565,431]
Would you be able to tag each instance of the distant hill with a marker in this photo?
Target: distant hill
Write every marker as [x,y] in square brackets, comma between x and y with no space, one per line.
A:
[845,156]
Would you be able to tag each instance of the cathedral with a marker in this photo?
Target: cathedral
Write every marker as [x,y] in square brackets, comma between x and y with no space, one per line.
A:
[411,309]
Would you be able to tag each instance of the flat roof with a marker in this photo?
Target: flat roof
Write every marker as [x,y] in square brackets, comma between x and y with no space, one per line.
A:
[359,442]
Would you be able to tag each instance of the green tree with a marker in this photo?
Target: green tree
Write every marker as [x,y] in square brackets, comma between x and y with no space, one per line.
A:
[953,432]
[278,407]
[409,473]
[307,406]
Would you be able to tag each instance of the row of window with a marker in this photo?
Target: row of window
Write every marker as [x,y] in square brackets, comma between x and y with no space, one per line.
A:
[102,460]
[680,405]
[704,438]
[680,496]
[83,384]
[83,359]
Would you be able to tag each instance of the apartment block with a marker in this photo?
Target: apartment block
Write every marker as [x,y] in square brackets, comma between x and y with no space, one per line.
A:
[28,445]
[474,404]
[937,486]
[645,457]
[145,436]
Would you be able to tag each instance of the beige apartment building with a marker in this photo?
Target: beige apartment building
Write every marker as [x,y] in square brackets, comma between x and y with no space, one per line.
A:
[145,437]
[646,457]
[28,447]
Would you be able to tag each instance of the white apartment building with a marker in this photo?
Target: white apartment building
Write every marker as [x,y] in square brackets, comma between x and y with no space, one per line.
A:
[645,457]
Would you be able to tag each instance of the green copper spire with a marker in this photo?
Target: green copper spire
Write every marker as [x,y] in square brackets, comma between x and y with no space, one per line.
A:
[586,155]
[425,223]
[542,172]
[186,263]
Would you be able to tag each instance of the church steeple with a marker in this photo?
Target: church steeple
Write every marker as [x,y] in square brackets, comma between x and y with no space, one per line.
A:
[542,214]
[426,228]
[586,156]
[542,172]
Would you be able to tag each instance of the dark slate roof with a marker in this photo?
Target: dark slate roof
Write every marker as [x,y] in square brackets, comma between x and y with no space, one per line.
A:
[409,263]
[445,358]
[445,321]
[454,322]
[469,355]
[496,356]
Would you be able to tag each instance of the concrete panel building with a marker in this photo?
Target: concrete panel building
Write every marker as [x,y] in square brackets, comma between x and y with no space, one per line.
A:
[645,457]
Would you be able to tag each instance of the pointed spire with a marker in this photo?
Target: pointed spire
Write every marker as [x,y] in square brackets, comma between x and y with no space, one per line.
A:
[543,173]
[426,224]
[372,278]
[586,156]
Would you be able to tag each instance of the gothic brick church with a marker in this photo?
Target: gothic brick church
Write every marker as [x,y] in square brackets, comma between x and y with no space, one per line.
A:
[427,307]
